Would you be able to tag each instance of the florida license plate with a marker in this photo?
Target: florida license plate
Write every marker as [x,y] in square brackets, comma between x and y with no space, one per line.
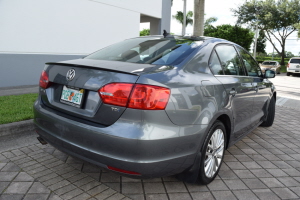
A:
[72,96]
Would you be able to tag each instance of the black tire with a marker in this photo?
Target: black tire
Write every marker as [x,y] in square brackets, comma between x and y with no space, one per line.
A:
[288,73]
[271,114]
[203,178]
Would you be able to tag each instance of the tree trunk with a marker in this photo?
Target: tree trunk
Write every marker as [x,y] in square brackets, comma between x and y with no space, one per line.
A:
[282,52]
[198,17]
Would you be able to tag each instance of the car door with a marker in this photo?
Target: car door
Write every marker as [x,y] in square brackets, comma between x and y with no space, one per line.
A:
[262,86]
[225,63]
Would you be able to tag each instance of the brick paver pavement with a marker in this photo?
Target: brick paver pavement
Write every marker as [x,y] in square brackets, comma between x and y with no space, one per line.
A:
[263,165]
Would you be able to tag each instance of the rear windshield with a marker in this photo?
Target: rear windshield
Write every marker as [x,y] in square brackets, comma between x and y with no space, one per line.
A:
[159,51]
[295,61]
[269,63]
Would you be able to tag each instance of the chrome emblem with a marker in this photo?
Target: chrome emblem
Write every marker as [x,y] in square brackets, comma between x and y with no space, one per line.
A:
[70,74]
[115,109]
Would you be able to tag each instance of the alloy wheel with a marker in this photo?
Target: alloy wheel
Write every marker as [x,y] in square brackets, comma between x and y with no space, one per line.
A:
[214,153]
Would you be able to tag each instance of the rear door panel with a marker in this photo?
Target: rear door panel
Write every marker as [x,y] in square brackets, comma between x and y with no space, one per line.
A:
[241,94]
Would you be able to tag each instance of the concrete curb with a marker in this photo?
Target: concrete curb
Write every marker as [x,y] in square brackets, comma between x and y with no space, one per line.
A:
[16,127]
[5,91]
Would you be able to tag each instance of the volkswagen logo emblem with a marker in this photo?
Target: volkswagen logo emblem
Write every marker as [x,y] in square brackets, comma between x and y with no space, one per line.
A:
[70,74]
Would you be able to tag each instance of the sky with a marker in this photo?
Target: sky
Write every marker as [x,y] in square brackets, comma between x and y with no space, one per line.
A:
[222,10]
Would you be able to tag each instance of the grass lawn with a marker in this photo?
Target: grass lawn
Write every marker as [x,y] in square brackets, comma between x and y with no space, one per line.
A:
[16,108]
[283,69]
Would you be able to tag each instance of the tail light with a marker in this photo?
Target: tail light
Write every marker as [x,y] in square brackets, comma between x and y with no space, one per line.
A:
[116,93]
[149,97]
[288,65]
[44,80]
[136,96]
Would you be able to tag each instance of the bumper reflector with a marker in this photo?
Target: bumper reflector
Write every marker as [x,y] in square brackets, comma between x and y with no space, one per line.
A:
[123,171]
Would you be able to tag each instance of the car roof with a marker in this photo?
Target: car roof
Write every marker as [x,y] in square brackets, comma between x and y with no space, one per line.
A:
[195,38]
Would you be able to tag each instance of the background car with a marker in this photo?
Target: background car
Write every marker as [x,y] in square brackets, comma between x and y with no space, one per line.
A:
[155,106]
[271,65]
[293,66]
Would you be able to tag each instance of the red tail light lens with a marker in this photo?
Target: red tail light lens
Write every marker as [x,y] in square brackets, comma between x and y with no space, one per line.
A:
[116,93]
[44,80]
[288,65]
[149,97]
[137,96]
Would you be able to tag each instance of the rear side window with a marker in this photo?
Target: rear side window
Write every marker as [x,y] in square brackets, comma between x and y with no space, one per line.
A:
[251,66]
[230,60]
[269,63]
[295,61]
[215,65]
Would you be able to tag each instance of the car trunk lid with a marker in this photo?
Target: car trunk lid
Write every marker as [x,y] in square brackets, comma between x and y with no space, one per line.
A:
[89,77]
[295,65]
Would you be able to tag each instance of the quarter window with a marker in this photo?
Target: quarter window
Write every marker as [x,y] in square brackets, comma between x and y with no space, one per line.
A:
[230,60]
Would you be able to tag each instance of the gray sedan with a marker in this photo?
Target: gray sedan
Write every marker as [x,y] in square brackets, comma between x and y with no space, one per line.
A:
[155,106]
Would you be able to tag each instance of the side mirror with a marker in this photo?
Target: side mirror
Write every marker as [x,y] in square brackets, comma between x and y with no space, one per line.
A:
[269,74]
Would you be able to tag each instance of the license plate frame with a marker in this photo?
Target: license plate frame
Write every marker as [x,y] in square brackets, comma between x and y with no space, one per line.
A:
[72,96]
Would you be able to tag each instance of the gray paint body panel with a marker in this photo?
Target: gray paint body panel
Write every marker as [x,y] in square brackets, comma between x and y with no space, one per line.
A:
[110,65]
[150,143]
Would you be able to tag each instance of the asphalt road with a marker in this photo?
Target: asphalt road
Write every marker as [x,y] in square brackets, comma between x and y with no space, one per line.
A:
[287,86]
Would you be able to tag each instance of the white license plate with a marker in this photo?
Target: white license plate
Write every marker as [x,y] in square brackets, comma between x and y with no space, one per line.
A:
[72,96]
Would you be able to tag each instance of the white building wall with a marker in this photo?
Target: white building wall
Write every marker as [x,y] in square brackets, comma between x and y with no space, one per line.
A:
[63,26]
[33,32]
[152,8]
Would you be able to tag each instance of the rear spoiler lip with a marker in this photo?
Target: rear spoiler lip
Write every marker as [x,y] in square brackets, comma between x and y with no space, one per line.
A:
[91,67]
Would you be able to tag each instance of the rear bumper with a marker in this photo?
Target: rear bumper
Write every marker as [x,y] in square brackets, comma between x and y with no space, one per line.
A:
[152,147]
[293,70]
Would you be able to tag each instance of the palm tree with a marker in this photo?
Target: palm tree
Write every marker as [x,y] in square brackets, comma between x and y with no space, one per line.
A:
[179,17]
[209,21]
[199,17]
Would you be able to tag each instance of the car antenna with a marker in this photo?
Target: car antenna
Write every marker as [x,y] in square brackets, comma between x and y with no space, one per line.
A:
[167,35]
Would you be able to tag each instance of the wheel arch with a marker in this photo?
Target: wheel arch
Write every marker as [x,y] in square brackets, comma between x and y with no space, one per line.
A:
[191,175]
[225,119]
[275,95]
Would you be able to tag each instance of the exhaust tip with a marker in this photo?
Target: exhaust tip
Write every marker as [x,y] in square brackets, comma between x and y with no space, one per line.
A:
[42,141]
